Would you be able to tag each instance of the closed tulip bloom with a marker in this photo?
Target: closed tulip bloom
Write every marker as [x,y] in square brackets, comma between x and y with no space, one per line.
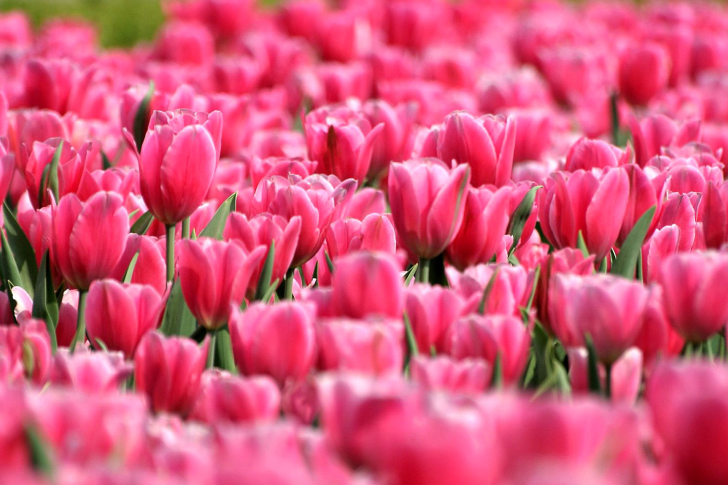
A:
[369,347]
[71,168]
[510,290]
[642,196]
[177,162]
[375,234]
[169,372]
[265,229]
[431,311]
[276,340]
[586,154]
[395,140]
[626,374]
[485,221]
[441,373]
[486,144]
[88,237]
[213,274]
[609,309]
[693,304]
[150,266]
[90,372]
[358,270]
[119,315]
[644,71]
[427,203]
[584,202]
[226,398]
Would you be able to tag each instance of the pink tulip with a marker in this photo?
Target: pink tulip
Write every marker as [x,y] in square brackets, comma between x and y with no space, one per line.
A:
[609,309]
[712,212]
[70,170]
[89,372]
[227,398]
[656,131]
[177,162]
[213,274]
[341,141]
[265,229]
[88,237]
[486,144]
[431,311]
[485,221]
[186,43]
[427,204]
[587,203]
[375,233]
[626,374]
[370,347]
[168,371]
[356,269]
[692,303]
[150,268]
[468,376]
[119,315]
[587,154]
[642,196]
[511,287]
[277,340]
[364,202]
[394,141]
[644,70]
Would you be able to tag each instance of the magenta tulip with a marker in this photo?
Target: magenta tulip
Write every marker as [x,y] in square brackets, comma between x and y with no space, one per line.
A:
[431,311]
[644,70]
[225,398]
[468,376]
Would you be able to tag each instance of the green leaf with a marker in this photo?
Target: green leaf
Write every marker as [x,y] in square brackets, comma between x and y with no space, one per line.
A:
[412,348]
[265,275]
[10,270]
[329,263]
[629,253]
[410,274]
[520,216]
[141,118]
[177,320]
[45,305]
[487,291]
[497,379]
[216,225]
[105,162]
[224,350]
[102,345]
[536,276]
[141,226]
[271,291]
[314,276]
[581,245]
[53,175]
[22,251]
[130,269]
[40,457]
[595,385]
[541,352]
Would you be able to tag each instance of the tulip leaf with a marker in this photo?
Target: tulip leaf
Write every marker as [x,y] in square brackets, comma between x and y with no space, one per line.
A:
[45,305]
[520,217]
[105,162]
[271,291]
[412,348]
[141,118]
[542,355]
[11,275]
[266,273]
[487,291]
[177,320]
[629,253]
[130,269]
[593,370]
[38,448]
[410,274]
[497,379]
[581,244]
[532,295]
[102,345]
[329,263]
[314,275]
[216,225]
[141,226]
[53,174]
[224,350]
[22,250]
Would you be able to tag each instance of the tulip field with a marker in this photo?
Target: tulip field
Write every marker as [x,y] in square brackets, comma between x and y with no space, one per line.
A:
[366,242]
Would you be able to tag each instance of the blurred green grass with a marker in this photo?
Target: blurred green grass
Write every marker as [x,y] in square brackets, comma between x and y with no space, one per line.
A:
[121,23]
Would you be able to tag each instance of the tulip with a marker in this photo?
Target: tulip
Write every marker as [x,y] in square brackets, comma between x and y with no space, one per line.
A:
[642,196]
[370,347]
[90,372]
[485,221]
[149,268]
[587,203]
[431,311]
[234,399]
[394,142]
[656,131]
[644,70]
[468,376]
[692,303]
[213,274]
[119,315]
[169,372]
[427,205]
[626,374]
[587,154]
[510,290]
[375,234]
[70,169]
[341,141]
[277,340]
[486,144]
[353,272]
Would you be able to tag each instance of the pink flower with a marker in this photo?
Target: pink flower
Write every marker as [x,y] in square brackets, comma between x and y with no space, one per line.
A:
[431,311]
[227,398]
[644,70]
[468,376]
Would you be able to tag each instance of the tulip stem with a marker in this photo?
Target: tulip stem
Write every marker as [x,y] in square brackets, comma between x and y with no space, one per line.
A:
[608,381]
[288,288]
[423,271]
[186,228]
[211,349]
[81,321]
[170,252]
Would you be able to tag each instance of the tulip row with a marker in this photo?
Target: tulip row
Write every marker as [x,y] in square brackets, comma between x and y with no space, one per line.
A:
[391,242]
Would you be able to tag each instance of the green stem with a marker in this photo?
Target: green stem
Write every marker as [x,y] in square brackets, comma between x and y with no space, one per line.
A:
[170,252]
[724,344]
[288,289]
[186,228]
[81,321]
[423,271]
[211,350]
[608,381]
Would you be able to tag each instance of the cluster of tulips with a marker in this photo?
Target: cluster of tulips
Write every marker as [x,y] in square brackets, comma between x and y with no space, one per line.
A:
[368,242]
